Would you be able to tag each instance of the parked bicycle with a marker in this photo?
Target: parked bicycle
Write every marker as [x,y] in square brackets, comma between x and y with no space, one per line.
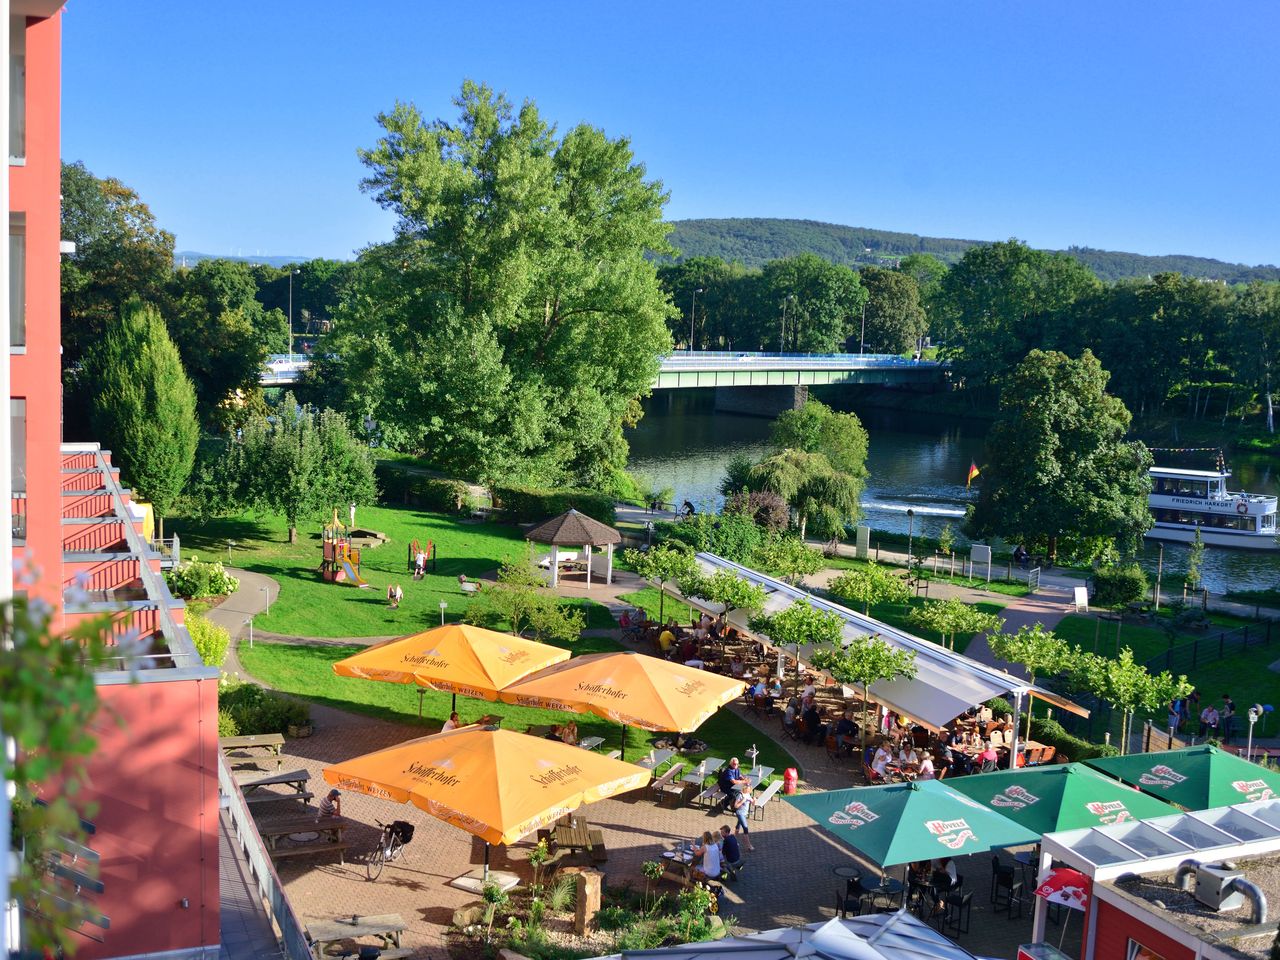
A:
[391,844]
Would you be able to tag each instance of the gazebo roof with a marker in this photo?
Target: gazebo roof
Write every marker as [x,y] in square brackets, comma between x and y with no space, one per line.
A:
[573,529]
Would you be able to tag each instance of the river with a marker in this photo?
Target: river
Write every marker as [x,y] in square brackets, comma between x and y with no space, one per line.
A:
[914,461]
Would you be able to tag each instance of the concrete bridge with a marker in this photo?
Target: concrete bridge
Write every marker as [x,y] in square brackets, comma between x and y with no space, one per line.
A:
[756,383]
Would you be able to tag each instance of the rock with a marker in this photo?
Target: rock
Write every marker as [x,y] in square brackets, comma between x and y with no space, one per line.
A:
[469,914]
[587,903]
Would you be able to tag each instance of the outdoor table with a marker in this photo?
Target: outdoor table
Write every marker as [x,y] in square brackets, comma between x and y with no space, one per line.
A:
[756,775]
[886,887]
[295,779]
[655,759]
[273,743]
[573,836]
[678,865]
[705,768]
[388,927]
[590,743]
[329,829]
[539,730]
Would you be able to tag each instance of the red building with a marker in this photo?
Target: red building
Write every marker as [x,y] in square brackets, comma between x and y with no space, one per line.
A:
[74,542]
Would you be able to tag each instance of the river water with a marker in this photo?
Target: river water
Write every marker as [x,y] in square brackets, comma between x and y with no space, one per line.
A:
[914,461]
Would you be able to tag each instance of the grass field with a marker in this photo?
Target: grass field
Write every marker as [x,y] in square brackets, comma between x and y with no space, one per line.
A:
[311,607]
[307,672]
[647,599]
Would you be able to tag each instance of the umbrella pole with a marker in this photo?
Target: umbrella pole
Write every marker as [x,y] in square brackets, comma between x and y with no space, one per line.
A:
[1062,936]
[454,708]
[624,741]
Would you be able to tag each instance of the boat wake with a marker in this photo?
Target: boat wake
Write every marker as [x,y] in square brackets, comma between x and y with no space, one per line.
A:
[925,509]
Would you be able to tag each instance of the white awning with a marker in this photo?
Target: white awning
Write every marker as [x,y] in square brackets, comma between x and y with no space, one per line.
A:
[946,683]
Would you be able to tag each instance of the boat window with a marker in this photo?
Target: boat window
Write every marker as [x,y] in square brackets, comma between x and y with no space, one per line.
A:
[1192,488]
[1269,521]
[1210,521]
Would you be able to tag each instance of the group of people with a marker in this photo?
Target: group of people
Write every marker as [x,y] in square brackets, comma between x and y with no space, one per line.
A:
[735,790]
[684,645]
[717,854]
[1214,721]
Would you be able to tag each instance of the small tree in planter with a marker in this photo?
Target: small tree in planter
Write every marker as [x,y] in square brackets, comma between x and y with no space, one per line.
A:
[863,662]
[661,565]
[1039,650]
[946,544]
[652,870]
[494,898]
[873,584]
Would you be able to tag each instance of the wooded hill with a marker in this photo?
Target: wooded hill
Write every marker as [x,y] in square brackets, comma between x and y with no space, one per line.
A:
[753,241]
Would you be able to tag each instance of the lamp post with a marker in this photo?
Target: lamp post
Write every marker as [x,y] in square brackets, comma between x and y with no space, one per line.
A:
[911,529]
[443,605]
[292,274]
[1253,718]
[693,312]
[782,337]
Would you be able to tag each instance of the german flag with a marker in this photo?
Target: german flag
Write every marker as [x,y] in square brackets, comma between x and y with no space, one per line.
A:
[973,472]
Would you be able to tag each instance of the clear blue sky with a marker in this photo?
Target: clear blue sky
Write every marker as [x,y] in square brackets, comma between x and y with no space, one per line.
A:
[1150,127]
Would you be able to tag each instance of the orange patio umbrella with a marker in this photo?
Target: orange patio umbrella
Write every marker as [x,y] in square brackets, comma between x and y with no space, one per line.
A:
[457,658]
[628,688]
[497,784]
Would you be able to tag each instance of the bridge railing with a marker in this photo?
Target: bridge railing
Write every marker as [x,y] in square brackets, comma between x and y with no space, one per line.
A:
[789,361]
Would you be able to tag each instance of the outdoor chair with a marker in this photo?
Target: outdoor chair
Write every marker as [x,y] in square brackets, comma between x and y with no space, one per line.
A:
[873,778]
[956,910]
[1001,878]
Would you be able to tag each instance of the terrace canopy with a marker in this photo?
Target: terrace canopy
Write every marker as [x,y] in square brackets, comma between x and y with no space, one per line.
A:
[906,822]
[496,784]
[574,529]
[1196,778]
[1061,797]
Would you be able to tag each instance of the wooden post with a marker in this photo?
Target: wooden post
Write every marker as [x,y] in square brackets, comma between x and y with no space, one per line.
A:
[587,902]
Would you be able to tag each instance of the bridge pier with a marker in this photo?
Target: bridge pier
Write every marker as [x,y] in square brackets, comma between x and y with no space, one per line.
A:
[760,401]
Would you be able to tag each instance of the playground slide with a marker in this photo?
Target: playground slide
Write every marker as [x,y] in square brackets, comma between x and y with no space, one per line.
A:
[352,575]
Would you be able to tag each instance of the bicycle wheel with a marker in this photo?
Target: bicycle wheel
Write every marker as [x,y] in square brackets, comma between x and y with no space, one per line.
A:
[373,865]
[397,848]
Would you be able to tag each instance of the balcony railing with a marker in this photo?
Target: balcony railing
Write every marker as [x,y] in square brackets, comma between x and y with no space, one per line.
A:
[18,511]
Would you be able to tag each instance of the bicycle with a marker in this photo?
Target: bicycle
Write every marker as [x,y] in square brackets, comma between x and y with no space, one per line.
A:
[390,846]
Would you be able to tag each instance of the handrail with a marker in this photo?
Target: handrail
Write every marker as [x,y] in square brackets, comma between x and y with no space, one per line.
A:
[292,932]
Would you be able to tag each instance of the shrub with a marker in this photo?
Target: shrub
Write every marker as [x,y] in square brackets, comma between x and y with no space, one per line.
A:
[194,579]
[227,724]
[765,507]
[212,641]
[1052,733]
[530,504]
[256,710]
[414,489]
[1118,585]
[615,917]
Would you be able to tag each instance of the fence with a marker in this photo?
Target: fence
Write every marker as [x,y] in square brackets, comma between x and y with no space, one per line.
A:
[292,932]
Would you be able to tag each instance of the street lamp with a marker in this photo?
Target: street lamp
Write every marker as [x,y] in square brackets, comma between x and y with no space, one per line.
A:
[1253,718]
[911,529]
[443,604]
[693,311]
[292,274]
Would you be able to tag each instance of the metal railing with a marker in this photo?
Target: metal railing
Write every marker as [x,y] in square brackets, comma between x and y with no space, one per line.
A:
[270,889]
[170,550]
[18,512]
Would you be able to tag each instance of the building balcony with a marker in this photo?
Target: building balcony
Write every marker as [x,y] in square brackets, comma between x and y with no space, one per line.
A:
[18,513]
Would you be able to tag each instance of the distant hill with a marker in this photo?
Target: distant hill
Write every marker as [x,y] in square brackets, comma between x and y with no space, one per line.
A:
[753,241]
[192,257]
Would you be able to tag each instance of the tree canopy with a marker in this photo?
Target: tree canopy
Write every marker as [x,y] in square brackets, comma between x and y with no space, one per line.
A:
[1058,465]
[869,585]
[510,327]
[894,315]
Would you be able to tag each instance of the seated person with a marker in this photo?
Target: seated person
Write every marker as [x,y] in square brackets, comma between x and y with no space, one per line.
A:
[686,650]
[730,850]
[666,640]
[775,688]
[880,762]
[569,733]
[451,724]
[846,731]
[758,689]
[737,667]
[907,754]
[331,804]
[988,759]
[708,853]
[731,782]
[695,662]
[944,874]
[815,731]
[790,714]
[926,770]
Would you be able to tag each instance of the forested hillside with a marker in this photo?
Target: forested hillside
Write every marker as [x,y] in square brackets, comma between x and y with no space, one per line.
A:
[753,241]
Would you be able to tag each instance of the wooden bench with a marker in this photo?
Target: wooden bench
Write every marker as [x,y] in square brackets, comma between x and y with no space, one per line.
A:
[309,849]
[273,743]
[769,793]
[306,796]
[599,853]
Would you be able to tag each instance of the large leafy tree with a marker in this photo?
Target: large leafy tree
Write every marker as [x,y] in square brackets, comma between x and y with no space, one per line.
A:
[120,252]
[864,661]
[1042,652]
[1058,464]
[999,301]
[1255,340]
[513,323]
[143,406]
[824,499]
[807,304]
[895,318]
[715,300]
[816,428]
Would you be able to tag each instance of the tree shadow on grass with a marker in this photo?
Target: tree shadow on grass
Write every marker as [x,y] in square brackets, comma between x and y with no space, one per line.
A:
[214,534]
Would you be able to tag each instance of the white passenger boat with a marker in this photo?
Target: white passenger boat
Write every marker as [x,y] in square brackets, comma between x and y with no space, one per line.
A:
[1183,501]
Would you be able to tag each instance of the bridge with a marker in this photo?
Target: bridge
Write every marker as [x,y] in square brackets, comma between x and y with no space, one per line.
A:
[710,368]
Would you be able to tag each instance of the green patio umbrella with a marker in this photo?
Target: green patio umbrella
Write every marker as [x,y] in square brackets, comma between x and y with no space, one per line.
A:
[1196,778]
[905,822]
[1064,797]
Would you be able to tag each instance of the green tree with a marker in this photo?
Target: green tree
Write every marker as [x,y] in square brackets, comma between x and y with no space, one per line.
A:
[1127,685]
[662,565]
[822,300]
[727,589]
[868,585]
[800,625]
[821,496]
[1255,340]
[894,317]
[816,428]
[1195,559]
[714,300]
[927,271]
[512,325]
[1058,464]
[222,285]
[120,252]
[518,602]
[952,617]
[864,661]
[787,557]
[143,406]
[300,462]
[1041,651]
[221,354]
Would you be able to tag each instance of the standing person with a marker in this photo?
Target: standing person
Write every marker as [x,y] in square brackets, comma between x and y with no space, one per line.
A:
[742,813]
[1227,717]
[391,595]
[1209,721]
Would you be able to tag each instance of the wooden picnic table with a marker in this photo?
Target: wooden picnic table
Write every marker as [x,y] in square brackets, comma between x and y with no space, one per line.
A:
[655,759]
[388,927]
[705,768]
[573,836]
[250,782]
[330,839]
[273,743]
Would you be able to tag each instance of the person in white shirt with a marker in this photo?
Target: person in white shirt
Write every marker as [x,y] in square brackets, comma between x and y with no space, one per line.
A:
[926,771]
[709,851]
[908,754]
[809,689]
[694,662]
[451,724]
[880,762]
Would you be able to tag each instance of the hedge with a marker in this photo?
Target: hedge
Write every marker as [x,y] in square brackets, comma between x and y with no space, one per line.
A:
[530,505]
[1052,734]
[418,490]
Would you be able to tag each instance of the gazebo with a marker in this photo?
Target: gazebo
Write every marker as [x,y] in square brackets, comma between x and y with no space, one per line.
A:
[574,529]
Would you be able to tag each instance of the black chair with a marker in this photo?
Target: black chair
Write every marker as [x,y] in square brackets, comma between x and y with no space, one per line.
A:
[1008,898]
[1001,879]
[957,908]
[850,900]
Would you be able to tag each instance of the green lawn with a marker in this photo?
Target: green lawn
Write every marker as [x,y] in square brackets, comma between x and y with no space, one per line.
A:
[311,607]
[647,599]
[1005,587]
[895,614]
[307,672]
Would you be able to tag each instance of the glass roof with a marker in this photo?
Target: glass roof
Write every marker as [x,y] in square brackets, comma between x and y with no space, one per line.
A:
[1176,835]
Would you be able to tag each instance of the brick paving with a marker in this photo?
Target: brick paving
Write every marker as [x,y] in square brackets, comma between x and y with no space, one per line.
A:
[788,879]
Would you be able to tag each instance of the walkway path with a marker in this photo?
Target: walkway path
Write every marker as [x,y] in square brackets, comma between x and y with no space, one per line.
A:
[244,926]
[257,592]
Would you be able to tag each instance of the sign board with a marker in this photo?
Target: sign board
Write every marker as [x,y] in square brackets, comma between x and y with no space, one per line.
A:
[863,547]
[980,553]
[1081,596]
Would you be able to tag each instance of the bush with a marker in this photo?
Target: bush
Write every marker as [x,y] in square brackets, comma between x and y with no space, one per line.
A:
[414,489]
[1118,585]
[227,724]
[1052,734]
[530,504]
[616,917]
[255,710]
[733,536]
[212,641]
[195,579]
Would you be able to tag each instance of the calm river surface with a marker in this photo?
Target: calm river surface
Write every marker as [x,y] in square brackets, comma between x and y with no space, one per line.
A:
[914,461]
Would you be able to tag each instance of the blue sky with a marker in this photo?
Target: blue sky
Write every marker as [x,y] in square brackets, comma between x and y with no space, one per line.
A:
[1150,127]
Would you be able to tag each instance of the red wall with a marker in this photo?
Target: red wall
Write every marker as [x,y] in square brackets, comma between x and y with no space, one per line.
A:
[37,376]
[1115,928]
[154,778]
